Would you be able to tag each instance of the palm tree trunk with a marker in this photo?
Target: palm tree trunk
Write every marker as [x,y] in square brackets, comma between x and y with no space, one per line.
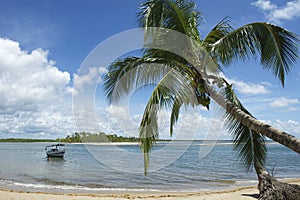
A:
[267,130]
[269,188]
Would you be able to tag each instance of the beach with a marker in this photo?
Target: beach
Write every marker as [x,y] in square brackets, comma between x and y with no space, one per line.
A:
[249,193]
[239,193]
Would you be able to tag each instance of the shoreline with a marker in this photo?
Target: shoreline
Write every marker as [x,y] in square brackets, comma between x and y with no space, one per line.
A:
[244,192]
[205,143]
[191,142]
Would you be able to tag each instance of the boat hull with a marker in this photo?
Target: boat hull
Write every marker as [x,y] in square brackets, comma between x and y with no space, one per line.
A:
[59,154]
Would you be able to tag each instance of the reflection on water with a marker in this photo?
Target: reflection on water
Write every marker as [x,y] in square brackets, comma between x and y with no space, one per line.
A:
[54,164]
[54,159]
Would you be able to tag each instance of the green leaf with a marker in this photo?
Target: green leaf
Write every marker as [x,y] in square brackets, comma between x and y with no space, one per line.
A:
[250,144]
[276,47]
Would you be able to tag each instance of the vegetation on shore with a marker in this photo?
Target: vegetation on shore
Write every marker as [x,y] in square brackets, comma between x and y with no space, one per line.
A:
[26,140]
[79,138]
[94,137]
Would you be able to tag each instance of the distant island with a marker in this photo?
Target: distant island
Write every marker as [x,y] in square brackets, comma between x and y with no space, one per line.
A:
[86,137]
[83,137]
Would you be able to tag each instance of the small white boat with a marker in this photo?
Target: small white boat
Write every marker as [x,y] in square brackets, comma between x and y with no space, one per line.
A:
[56,150]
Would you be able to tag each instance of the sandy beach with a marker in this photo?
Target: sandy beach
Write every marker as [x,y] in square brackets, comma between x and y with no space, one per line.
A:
[249,193]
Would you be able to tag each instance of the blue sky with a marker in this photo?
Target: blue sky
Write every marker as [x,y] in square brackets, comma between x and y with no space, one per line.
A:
[44,43]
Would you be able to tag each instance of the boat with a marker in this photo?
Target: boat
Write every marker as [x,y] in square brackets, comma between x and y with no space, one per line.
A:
[56,150]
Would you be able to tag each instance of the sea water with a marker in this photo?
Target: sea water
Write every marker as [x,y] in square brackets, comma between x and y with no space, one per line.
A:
[90,168]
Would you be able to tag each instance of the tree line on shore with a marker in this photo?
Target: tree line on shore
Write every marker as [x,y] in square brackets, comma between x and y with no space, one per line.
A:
[26,140]
[94,137]
[79,138]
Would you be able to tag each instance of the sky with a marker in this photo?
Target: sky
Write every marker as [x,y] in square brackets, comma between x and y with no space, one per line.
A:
[45,47]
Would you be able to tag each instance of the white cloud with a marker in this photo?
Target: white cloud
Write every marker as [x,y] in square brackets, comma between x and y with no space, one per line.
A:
[289,126]
[290,11]
[118,120]
[274,13]
[202,126]
[28,76]
[248,88]
[32,91]
[264,4]
[283,102]
[121,119]
[93,76]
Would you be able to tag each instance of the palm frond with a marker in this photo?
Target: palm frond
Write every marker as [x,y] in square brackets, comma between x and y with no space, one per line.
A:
[276,46]
[181,17]
[217,33]
[250,144]
[174,88]
[175,114]
[178,15]
[129,73]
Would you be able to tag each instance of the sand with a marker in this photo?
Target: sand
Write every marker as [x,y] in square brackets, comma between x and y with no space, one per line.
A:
[249,193]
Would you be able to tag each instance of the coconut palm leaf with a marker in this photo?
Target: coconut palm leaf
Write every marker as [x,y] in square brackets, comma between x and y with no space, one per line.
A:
[218,32]
[177,15]
[276,47]
[133,72]
[250,144]
[129,73]
[175,114]
[173,90]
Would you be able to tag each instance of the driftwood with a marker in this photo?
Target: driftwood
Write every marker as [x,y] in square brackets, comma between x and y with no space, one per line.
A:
[272,189]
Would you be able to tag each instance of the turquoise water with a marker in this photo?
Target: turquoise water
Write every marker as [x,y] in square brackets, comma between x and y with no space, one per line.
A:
[24,166]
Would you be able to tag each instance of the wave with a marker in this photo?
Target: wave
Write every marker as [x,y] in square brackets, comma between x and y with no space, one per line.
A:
[66,187]
[247,182]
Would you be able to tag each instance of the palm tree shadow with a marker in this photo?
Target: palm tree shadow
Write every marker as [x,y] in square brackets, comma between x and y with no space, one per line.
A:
[255,196]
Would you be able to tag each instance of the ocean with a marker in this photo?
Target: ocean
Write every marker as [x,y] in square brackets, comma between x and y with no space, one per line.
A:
[175,166]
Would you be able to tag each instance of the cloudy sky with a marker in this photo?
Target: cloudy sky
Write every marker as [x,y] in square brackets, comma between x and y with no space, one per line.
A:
[46,46]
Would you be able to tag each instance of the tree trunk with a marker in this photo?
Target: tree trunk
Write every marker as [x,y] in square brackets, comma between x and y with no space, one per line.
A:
[265,129]
[271,189]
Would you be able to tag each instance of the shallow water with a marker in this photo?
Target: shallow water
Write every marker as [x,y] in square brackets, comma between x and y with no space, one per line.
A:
[98,168]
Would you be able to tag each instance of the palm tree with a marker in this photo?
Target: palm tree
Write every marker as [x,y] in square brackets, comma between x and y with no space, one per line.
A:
[195,80]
